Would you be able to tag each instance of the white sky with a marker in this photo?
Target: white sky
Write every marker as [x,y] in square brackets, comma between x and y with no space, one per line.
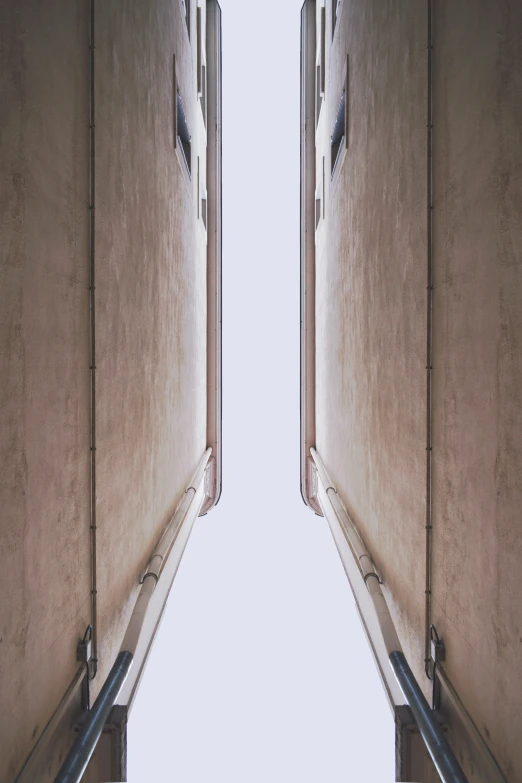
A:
[261,671]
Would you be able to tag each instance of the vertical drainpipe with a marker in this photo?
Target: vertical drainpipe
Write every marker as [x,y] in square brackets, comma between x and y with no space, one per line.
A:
[92,348]
[429,331]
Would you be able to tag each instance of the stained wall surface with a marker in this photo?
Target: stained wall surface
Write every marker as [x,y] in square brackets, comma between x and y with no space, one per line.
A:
[371,332]
[477,352]
[371,289]
[150,263]
[150,293]
[44,377]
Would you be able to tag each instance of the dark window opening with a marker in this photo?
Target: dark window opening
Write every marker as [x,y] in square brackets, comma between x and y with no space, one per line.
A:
[339,133]
[323,50]
[320,71]
[199,49]
[183,133]
[318,97]
[336,7]
[185,6]
[324,189]
[203,96]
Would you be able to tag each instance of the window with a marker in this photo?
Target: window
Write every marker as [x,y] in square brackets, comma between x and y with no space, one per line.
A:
[323,50]
[202,198]
[320,66]
[183,140]
[185,7]
[201,76]
[203,96]
[338,138]
[336,7]
[199,54]
[324,187]
[320,200]
[318,96]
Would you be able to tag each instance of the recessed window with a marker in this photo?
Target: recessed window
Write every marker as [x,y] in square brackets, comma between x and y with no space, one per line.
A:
[338,137]
[336,7]
[199,48]
[203,96]
[323,50]
[318,96]
[202,198]
[182,132]
[185,7]
[320,76]
[320,197]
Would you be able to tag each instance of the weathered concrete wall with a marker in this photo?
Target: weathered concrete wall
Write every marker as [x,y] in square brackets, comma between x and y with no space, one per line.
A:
[151,295]
[44,379]
[371,275]
[150,258]
[477,407]
[371,294]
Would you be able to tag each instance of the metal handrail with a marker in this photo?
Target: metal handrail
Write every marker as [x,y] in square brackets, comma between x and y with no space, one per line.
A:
[436,743]
[85,743]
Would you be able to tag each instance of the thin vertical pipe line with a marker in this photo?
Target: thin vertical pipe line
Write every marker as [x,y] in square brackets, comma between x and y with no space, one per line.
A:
[429,333]
[92,348]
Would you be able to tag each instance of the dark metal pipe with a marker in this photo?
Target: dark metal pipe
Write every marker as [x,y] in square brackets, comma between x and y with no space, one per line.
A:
[79,756]
[442,755]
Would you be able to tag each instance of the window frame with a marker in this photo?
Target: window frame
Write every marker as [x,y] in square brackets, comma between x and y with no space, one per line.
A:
[337,164]
[185,12]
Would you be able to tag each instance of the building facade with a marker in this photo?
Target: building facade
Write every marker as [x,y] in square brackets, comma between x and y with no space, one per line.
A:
[411,175]
[110,153]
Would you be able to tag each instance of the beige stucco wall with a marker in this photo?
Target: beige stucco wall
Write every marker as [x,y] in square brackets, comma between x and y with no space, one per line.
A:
[370,294]
[371,274]
[150,331]
[477,407]
[151,295]
[44,379]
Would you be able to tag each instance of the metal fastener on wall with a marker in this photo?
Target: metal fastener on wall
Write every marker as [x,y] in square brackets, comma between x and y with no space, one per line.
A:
[439,749]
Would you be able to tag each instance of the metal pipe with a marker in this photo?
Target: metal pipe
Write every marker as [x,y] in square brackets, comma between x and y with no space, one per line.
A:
[362,557]
[436,743]
[78,757]
[92,351]
[214,252]
[442,755]
[307,299]
[159,558]
[429,342]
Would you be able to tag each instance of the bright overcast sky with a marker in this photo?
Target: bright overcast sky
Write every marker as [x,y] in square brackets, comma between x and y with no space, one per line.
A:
[260,671]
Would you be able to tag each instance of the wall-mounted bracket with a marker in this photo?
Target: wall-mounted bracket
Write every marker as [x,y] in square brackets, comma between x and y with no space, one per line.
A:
[84,655]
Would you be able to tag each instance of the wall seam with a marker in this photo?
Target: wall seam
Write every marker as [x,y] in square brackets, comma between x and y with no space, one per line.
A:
[429,334]
[92,346]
